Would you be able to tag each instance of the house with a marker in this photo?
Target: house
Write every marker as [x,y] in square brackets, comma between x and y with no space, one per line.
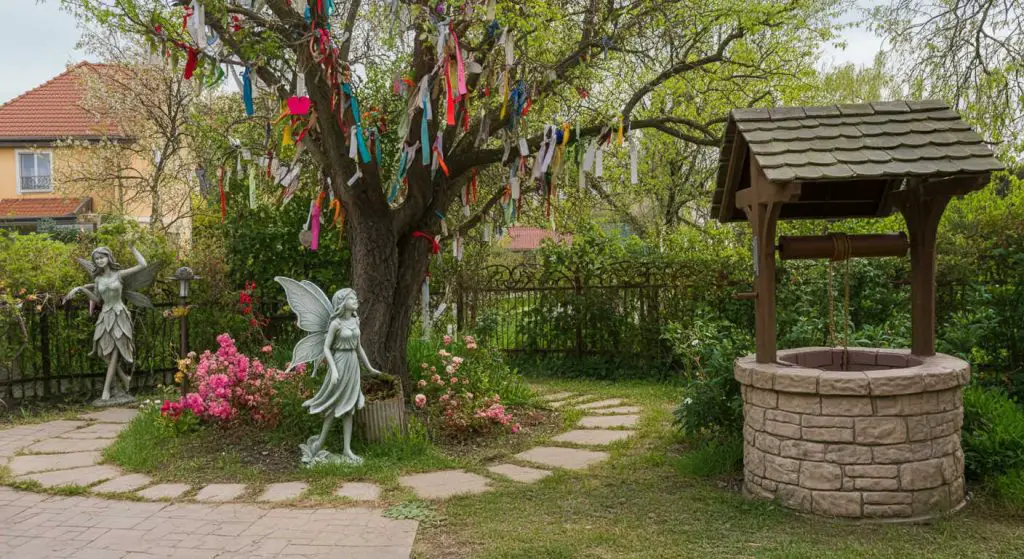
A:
[49,139]
[525,239]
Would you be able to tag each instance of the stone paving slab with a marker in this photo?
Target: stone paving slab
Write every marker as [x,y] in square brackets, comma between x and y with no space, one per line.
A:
[16,438]
[621,410]
[41,527]
[164,491]
[55,446]
[595,437]
[444,484]
[76,476]
[601,404]
[45,462]
[123,484]
[219,492]
[276,492]
[359,491]
[603,421]
[112,415]
[97,431]
[521,474]
[560,457]
[557,396]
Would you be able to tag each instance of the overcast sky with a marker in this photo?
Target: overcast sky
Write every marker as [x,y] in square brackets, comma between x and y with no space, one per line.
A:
[39,42]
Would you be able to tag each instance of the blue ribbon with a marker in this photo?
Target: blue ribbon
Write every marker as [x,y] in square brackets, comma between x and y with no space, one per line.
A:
[398,178]
[492,29]
[247,92]
[424,137]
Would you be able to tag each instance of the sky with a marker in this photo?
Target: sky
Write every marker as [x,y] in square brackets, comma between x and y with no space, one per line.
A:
[42,39]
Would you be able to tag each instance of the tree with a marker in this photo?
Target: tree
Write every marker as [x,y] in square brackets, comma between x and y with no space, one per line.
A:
[149,101]
[524,64]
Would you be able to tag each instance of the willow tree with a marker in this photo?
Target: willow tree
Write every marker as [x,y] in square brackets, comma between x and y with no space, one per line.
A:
[491,75]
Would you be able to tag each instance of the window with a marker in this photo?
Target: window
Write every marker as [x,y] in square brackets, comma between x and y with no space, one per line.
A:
[35,171]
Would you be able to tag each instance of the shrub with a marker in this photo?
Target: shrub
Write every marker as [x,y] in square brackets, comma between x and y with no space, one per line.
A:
[1009,489]
[993,433]
[228,387]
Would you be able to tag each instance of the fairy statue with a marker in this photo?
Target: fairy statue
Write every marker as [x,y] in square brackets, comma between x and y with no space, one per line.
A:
[334,337]
[113,338]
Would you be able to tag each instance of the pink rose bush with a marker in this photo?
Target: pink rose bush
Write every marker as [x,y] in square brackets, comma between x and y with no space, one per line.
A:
[227,387]
[456,404]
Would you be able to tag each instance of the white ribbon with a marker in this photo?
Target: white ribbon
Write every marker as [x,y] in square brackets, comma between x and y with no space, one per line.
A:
[524,150]
[352,180]
[353,148]
[634,176]
[491,10]
[510,55]
[599,163]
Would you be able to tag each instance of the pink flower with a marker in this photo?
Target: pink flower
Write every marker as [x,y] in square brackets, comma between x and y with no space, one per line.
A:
[449,369]
[436,379]
[455,380]
[469,395]
[421,383]
[516,428]
[423,365]
[433,369]
[443,353]
[267,348]
[421,400]
[456,360]
[447,340]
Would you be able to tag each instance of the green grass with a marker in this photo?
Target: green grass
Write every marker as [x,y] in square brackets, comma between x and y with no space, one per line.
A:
[640,505]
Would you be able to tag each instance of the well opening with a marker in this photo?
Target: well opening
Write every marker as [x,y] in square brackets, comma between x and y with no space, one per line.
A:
[849,359]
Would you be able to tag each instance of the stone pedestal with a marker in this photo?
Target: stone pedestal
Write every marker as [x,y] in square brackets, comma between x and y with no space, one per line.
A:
[874,435]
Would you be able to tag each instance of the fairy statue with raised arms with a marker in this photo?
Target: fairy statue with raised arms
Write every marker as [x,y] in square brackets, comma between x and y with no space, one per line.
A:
[114,335]
[334,337]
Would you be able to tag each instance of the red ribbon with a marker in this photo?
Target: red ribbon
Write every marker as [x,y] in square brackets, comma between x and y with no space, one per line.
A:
[193,60]
[435,247]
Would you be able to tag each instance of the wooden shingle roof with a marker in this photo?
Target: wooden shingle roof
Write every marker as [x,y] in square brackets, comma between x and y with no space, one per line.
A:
[847,157]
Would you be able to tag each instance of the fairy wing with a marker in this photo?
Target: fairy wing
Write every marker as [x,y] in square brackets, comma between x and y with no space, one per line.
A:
[310,348]
[141,279]
[138,299]
[318,293]
[310,308]
[90,268]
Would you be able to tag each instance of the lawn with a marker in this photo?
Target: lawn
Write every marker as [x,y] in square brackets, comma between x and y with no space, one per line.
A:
[639,504]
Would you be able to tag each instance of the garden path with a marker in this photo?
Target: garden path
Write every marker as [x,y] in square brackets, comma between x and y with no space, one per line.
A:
[66,454]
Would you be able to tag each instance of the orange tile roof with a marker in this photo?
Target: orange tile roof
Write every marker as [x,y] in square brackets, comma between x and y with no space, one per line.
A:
[529,238]
[42,207]
[54,110]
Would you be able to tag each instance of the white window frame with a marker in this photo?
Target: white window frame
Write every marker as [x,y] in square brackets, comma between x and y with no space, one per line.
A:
[17,169]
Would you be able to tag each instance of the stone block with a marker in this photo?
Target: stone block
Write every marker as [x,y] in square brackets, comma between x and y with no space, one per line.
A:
[964,373]
[445,483]
[948,428]
[848,484]
[800,403]
[848,454]
[220,492]
[816,358]
[936,378]
[802,450]
[863,356]
[592,437]
[945,445]
[896,381]
[781,469]
[164,491]
[749,434]
[887,511]
[767,443]
[559,457]
[753,460]
[754,416]
[872,471]
[75,476]
[892,357]
[756,490]
[362,491]
[901,453]
[844,383]
[835,503]
[956,492]
[918,429]
[827,434]
[763,398]
[797,380]
[123,484]
[876,484]
[741,372]
[277,492]
[762,375]
[950,472]
[820,475]
[931,501]
[793,497]
[888,498]
[949,400]
[45,462]
[826,421]
[846,406]
[880,430]
[921,475]
[782,416]
[782,429]
[769,484]
[606,421]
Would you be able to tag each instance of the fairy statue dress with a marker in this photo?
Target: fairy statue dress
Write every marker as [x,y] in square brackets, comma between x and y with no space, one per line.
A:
[113,337]
[334,339]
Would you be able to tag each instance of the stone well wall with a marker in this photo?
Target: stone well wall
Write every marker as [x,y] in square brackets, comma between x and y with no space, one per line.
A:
[879,441]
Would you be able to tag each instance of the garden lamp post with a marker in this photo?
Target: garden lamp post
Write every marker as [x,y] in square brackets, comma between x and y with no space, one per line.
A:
[184,275]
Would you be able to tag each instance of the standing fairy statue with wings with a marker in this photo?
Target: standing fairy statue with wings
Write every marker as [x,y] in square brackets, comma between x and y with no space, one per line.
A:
[334,338]
[113,338]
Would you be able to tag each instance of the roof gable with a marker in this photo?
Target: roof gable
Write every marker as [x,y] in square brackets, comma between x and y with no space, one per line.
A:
[54,110]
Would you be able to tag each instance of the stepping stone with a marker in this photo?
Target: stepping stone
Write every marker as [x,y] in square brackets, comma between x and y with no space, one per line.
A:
[164,491]
[76,476]
[57,446]
[98,431]
[220,492]
[444,484]
[601,421]
[621,410]
[561,457]
[113,415]
[359,491]
[44,462]
[602,404]
[282,491]
[556,396]
[597,437]
[123,484]
[521,474]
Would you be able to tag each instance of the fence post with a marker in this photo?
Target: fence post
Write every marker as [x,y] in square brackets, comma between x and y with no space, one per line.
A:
[44,349]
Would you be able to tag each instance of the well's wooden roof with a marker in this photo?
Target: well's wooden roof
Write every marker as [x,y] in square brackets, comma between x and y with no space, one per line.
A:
[847,157]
